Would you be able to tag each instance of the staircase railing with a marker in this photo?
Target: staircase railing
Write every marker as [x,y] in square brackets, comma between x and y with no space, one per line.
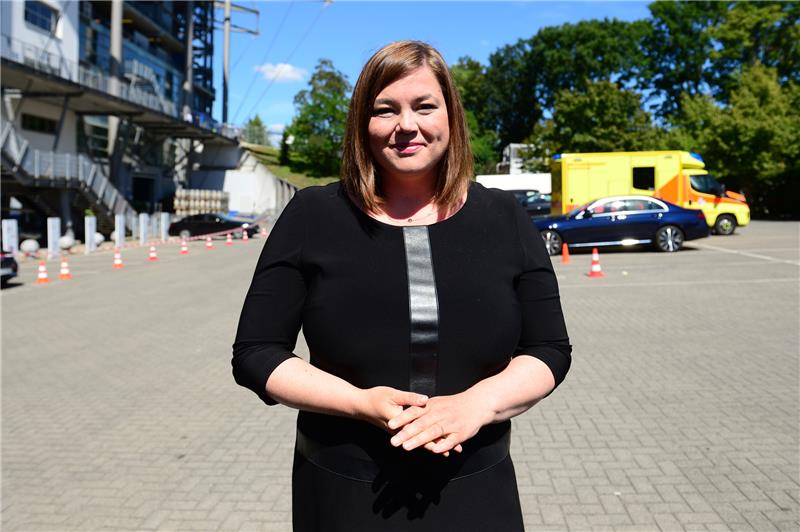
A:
[44,167]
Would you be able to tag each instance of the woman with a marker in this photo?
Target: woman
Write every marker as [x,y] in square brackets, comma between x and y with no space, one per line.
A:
[431,313]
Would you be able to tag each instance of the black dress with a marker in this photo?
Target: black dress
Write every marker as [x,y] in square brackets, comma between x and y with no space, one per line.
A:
[432,309]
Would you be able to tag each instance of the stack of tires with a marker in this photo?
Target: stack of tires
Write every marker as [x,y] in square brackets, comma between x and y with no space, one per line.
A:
[189,202]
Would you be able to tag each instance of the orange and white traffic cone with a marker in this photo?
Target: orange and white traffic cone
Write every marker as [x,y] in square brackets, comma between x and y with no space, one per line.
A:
[229,240]
[152,256]
[245,236]
[184,247]
[565,254]
[41,277]
[209,243]
[596,271]
[264,232]
[63,272]
[118,265]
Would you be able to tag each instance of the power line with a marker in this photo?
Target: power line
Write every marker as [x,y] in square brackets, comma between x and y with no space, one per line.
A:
[289,58]
[263,59]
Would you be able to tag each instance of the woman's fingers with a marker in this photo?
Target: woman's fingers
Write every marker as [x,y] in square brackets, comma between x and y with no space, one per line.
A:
[409,398]
[432,432]
[405,417]
[448,443]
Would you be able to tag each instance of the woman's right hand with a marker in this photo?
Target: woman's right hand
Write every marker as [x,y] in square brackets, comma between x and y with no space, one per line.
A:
[379,404]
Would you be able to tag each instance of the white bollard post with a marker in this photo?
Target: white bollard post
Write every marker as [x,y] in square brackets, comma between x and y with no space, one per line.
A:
[11,236]
[164,226]
[53,234]
[89,229]
[119,230]
[144,225]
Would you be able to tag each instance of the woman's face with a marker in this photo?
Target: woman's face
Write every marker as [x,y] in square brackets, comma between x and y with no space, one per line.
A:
[408,128]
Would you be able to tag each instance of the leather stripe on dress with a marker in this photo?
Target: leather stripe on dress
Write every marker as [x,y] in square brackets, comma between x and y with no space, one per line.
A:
[424,310]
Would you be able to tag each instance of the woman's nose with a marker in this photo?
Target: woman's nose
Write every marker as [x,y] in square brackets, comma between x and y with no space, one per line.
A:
[406,121]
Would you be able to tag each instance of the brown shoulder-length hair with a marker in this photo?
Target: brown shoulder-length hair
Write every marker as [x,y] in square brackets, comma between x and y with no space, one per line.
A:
[359,172]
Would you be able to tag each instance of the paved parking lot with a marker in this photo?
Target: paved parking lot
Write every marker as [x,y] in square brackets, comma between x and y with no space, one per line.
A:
[119,411]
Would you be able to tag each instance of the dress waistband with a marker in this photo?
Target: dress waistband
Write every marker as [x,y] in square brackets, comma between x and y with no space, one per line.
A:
[367,465]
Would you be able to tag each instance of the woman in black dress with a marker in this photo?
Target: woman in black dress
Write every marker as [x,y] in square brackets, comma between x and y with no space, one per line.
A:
[431,313]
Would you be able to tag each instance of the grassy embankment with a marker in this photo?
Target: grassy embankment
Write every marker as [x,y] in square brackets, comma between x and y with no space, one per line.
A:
[268,156]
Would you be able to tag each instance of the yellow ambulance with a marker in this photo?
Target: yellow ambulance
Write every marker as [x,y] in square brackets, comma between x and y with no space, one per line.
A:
[679,177]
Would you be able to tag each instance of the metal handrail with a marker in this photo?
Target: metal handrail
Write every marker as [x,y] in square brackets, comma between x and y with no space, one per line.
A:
[56,65]
[68,166]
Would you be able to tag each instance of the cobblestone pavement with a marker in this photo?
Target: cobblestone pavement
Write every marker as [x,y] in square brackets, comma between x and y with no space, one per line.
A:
[119,411]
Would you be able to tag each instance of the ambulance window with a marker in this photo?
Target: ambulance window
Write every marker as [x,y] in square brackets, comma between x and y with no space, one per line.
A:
[644,178]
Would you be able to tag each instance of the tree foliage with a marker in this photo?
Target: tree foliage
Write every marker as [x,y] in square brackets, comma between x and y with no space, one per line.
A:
[255,132]
[600,118]
[318,127]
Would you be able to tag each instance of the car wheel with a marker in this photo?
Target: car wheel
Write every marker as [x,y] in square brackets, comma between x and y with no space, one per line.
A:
[725,225]
[184,234]
[552,242]
[669,238]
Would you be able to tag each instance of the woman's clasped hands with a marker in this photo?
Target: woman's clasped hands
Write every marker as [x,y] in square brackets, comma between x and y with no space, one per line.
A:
[439,424]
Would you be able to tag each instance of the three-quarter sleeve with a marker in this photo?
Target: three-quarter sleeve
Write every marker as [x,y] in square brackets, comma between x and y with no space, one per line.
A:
[544,333]
[272,313]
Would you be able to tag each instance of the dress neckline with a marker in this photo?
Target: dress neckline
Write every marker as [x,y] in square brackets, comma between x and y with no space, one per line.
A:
[467,202]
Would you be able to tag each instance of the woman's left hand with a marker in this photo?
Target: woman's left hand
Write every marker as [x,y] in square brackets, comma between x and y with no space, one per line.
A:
[442,424]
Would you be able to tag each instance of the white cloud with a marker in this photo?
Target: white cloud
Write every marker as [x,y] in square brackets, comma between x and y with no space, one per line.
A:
[282,72]
[276,128]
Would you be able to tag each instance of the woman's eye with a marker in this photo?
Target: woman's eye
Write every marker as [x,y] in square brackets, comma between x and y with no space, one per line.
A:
[383,111]
[427,108]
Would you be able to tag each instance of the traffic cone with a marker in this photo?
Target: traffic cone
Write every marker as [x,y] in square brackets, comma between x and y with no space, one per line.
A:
[63,272]
[229,240]
[565,254]
[596,271]
[41,277]
[264,232]
[245,237]
[209,243]
[152,256]
[184,247]
[118,265]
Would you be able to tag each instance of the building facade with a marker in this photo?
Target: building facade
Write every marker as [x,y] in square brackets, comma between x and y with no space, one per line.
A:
[106,105]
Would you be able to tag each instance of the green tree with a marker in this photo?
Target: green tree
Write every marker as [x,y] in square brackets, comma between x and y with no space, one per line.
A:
[602,118]
[318,127]
[571,56]
[752,143]
[677,48]
[511,105]
[751,33]
[470,79]
[483,144]
[255,132]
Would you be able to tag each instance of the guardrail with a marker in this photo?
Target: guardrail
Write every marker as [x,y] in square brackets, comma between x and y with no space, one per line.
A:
[88,176]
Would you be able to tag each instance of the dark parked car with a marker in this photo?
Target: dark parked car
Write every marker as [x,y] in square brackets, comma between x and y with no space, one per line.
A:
[624,221]
[535,203]
[8,266]
[203,224]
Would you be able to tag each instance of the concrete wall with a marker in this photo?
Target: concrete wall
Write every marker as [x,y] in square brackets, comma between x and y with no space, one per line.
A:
[252,188]
[63,43]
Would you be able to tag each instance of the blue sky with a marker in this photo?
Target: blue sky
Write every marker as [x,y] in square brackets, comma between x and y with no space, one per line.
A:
[269,69]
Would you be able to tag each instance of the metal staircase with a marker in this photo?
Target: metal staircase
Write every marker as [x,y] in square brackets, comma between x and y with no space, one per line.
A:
[43,170]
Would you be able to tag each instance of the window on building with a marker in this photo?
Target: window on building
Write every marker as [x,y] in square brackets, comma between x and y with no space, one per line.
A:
[41,15]
[39,124]
[644,178]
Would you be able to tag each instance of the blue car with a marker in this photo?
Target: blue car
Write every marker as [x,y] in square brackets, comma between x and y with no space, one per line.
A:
[624,221]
